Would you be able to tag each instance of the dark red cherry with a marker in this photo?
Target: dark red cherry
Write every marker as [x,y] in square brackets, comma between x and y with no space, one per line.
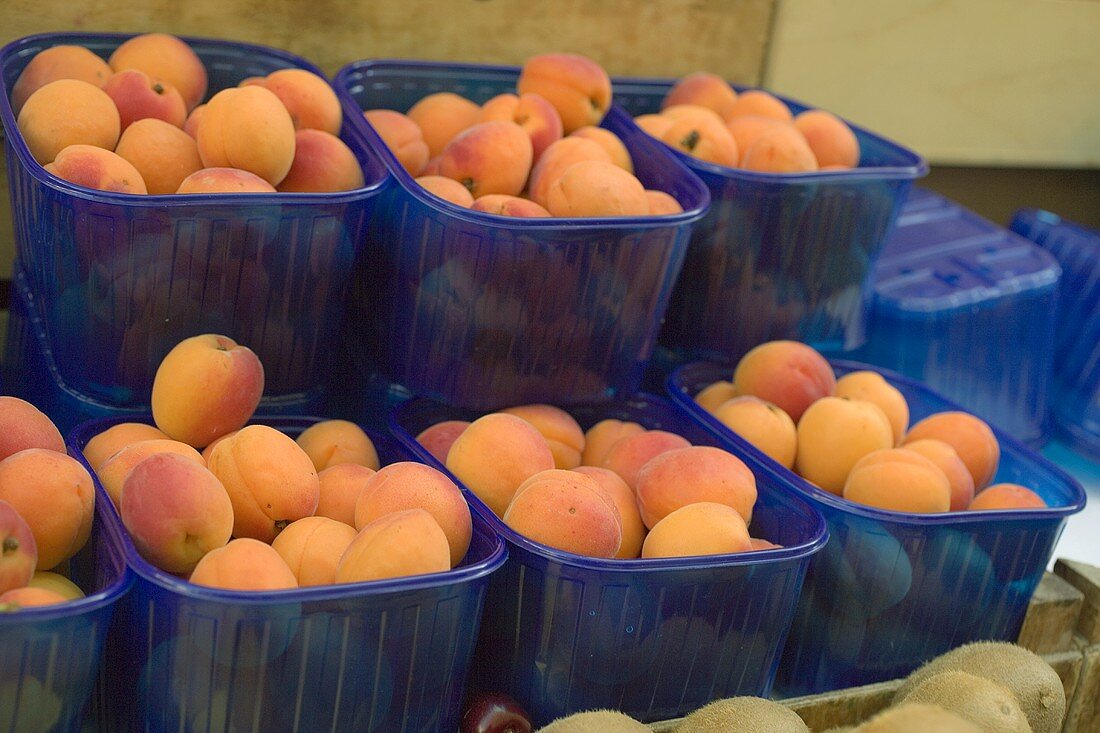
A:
[494,712]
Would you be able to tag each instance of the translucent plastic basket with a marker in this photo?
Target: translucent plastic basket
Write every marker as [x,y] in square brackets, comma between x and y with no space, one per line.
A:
[1076,350]
[780,256]
[969,309]
[481,310]
[388,656]
[892,590]
[122,278]
[654,638]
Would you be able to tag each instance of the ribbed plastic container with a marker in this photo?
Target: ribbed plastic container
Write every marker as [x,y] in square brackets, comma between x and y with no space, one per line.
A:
[122,278]
[969,309]
[482,310]
[780,256]
[389,656]
[31,371]
[1076,351]
[892,590]
[51,655]
[654,638]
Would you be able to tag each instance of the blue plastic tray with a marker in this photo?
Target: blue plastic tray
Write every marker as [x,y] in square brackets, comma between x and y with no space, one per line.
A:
[388,656]
[1076,352]
[482,310]
[892,590]
[51,655]
[122,278]
[780,256]
[968,308]
[653,638]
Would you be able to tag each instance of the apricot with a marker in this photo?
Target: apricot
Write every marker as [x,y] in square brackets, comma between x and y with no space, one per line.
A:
[402,136]
[701,528]
[57,583]
[408,485]
[138,97]
[762,424]
[18,550]
[833,434]
[323,163]
[898,480]
[703,136]
[948,461]
[308,98]
[662,204]
[558,158]
[577,86]
[747,128]
[788,374]
[162,154]
[568,511]
[398,544]
[504,205]
[166,57]
[224,180]
[22,426]
[55,63]
[629,454]
[312,548]
[599,439]
[87,165]
[29,597]
[760,544]
[244,564]
[702,88]
[971,438]
[113,472]
[832,142]
[438,439]
[1006,496]
[269,478]
[594,188]
[68,112]
[54,495]
[610,142]
[105,444]
[210,446]
[535,116]
[447,189]
[205,387]
[760,103]
[653,124]
[330,442]
[175,511]
[191,126]
[431,168]
[779,150]
[490,157]
[713,396]
[872,387]
[441,117]
[247,128]
[561,431]
[633,529]
[495,454]
[340,488]
[698,473]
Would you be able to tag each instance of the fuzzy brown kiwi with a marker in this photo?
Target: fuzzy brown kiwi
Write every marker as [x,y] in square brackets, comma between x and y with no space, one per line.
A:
[916,718]
[745,715]
[1036,687]
[986,704]
[596,721]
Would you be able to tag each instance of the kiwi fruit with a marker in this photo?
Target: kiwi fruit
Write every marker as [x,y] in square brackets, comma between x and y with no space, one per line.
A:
[986,704]
[1036,687]
[596,721]
[745,715]
[839,729]
[917,718]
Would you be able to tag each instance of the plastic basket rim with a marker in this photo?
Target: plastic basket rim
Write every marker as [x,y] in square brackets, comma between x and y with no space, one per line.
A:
[789,553]
[480,218]
[139,567]
[35,169]
[789,478]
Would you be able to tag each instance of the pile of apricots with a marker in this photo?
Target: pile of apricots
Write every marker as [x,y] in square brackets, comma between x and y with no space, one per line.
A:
[616,490]
[257,509]
[705,118]
[851,436]
[134,124]
[537,153]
